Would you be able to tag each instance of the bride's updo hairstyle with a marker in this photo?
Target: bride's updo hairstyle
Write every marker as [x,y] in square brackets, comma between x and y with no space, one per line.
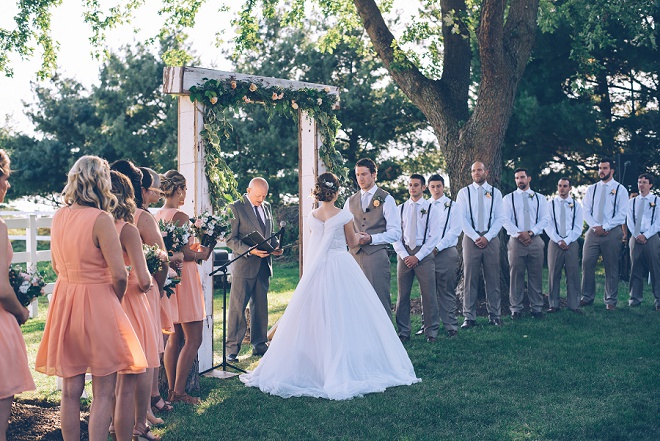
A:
[88,183]
[327,186]
[171,182]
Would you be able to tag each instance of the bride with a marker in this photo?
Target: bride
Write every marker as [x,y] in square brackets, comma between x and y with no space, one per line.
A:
[334,340]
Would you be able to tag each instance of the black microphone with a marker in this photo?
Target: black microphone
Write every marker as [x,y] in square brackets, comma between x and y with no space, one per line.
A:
[626,164]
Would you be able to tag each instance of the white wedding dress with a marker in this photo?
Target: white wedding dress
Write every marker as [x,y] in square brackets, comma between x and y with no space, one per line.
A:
[334,340]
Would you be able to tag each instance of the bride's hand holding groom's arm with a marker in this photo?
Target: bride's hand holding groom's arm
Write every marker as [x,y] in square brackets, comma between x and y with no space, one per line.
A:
[352,238]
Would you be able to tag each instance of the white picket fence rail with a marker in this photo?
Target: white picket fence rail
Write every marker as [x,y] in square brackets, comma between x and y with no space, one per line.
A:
[30,222]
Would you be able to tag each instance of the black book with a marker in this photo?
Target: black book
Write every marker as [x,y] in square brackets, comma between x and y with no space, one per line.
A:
[256,238]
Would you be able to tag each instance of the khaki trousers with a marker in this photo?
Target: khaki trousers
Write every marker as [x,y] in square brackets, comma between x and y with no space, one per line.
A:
[475,261]
[526,258]
[446,265]
[608,247]
[567,260]
[644,258]
[425,273]
[376,268]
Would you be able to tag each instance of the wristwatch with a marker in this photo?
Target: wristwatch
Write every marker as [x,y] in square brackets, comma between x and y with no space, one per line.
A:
[531,233]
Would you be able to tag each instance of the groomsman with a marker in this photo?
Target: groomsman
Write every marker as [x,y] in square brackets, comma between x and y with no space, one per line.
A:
[605,206]
[419,222]
[375,215]
[525,217]
[564,228]
[446,255]
[482,218]
[644,225]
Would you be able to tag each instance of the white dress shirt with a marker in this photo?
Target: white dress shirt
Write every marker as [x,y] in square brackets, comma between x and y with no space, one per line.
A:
[611,218]
[538,209]
[573,219]
[495,219]
[650,219]
[450,226]
[392,231]
[424,215]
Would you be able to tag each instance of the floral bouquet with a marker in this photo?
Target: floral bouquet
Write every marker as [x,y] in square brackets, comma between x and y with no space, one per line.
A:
[173,279]
[174,236]
[208,228]
[155,257]
[27,285]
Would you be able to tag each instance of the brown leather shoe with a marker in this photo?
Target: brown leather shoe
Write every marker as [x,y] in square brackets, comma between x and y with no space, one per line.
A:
[452,333]
[586,302]
[610,307]
[185,398]
[552,310]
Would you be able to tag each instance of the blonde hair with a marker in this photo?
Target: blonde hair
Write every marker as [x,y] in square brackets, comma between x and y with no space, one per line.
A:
[4,163]
[88,183]
[123,190]
[171,181]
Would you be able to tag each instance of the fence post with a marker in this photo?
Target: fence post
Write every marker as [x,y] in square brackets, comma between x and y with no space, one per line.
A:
[31,248]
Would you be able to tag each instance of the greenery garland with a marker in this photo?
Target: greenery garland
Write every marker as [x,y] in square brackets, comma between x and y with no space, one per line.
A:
[219,96]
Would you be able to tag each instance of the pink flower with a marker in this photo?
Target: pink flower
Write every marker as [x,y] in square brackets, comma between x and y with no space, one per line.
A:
[253,87]
[214,100]
[233,84]
[275,96]
[163,233]
[294,104]
[198,223]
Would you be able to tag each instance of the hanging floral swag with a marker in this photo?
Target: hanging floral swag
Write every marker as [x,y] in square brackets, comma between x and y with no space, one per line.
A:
[220,95]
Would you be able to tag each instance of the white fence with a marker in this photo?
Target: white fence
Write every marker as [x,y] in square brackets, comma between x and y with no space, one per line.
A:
[30,222]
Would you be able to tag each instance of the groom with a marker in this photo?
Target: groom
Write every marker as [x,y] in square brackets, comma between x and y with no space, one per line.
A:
[375,217]
[251,274]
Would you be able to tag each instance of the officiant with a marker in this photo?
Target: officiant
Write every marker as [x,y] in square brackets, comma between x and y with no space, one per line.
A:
[250,275]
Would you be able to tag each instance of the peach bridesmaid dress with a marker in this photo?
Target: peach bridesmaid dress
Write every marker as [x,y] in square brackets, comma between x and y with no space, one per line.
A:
[136,306]
[15,374]
[188,300]
[86,328]
[160,308]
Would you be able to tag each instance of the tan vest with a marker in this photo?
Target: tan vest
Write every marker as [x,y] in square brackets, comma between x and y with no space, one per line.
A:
[372,222]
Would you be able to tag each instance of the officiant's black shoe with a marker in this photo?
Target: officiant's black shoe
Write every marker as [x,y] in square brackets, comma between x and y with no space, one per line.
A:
[260,349]
[469,324]
[232,358]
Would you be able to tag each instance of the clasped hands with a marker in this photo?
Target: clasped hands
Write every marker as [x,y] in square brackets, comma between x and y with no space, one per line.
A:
[524,238]
[364,238]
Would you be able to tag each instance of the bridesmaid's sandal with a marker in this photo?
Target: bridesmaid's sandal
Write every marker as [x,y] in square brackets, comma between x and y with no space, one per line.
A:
[158,405]
[185,398]
[153,420]
[111,433]
[145,435]
[169,395]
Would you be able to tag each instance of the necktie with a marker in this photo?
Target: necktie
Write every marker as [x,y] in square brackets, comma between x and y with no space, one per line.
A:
[262,225]
[365,201]
[480,209]
[527,222]
[411,226]
[640,214]
[601,205]
[562,219]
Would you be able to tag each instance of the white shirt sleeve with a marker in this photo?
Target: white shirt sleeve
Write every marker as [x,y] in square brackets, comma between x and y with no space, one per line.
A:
[509,219]
[392,232]
[498,215]
[464,211]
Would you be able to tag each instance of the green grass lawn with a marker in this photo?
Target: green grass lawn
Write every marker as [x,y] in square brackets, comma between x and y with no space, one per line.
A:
[569,377]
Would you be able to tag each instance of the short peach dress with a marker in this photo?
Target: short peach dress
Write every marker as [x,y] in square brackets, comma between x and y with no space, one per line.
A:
[187,304]
[160,309]
[139,312]
[87,331]
[15,376]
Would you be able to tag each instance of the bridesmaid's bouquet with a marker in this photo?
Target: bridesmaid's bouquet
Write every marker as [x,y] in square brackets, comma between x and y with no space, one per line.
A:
[155,257]
[173,279]
[174,236]
[27,285]
[208,228]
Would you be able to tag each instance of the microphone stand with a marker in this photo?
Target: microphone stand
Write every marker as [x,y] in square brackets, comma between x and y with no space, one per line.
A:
[223,268]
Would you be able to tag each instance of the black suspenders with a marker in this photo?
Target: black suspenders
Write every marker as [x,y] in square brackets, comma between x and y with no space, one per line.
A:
[490,215]
[554,216]
[426,227]
[513,203]
[593,199]
[655,204]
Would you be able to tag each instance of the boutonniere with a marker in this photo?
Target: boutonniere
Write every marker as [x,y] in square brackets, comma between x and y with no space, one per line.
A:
[377,200]
[488,194]
[613,192]
[571,205]
[652,204]
[531,195]
[423,211]
[447,204]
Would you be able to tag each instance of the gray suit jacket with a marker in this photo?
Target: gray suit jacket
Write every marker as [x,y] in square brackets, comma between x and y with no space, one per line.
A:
[244,221]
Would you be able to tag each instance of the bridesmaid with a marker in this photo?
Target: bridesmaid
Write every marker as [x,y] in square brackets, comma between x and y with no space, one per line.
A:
[151,194]
[132,400]
[150,235]
[15,374]
[86,327]
[183,344]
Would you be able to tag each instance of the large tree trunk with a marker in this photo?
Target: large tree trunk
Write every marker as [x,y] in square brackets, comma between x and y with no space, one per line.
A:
[505,39]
